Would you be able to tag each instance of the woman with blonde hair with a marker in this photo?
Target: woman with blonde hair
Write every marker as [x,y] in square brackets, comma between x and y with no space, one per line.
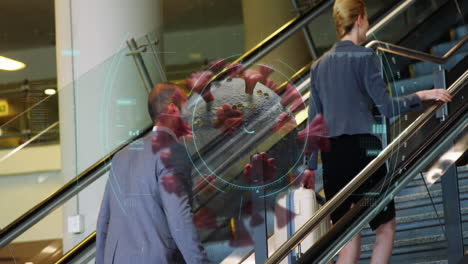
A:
[346,82]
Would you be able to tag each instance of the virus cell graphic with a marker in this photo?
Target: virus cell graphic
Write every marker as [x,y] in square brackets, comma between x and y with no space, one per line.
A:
[227,119]
[245,110]
[205,218]
[261,169]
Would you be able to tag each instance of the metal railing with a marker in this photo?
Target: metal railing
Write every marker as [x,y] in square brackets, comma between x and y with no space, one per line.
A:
[352,186]
[99,168]
[35,214]
[415,54]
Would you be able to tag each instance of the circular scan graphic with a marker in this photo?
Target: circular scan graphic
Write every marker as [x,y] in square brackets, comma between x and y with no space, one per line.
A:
[244,132]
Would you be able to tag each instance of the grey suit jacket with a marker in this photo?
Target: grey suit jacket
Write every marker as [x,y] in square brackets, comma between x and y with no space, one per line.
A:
[141,220]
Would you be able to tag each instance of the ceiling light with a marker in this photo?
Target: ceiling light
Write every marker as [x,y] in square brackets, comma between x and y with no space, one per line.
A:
[7,64]
[50,91]
[49,250]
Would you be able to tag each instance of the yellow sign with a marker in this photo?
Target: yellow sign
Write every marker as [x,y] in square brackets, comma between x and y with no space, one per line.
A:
[4,108]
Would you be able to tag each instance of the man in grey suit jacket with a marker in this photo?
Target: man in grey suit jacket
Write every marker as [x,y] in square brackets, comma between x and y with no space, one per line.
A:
[145,214]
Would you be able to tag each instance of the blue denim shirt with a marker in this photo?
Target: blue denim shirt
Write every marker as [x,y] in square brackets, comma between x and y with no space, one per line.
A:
[346,83]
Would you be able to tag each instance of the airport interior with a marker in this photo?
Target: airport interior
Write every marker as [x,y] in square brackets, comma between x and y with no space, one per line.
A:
[75,76]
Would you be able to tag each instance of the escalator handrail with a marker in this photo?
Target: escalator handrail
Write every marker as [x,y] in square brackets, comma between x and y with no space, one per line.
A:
[400,7]
[415,54]
[88,176]
[370,169]
[54,200]
[418,162]
[29,141]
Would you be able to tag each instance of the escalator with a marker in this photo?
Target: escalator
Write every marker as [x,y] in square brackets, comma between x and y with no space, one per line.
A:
[429,146]
[87,177]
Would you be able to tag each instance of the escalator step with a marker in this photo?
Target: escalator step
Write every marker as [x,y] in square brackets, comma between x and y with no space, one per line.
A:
[459,32]
[425,68]
[441,49]
[411,85]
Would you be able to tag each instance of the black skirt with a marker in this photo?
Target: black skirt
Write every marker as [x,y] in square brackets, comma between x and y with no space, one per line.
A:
[348,155]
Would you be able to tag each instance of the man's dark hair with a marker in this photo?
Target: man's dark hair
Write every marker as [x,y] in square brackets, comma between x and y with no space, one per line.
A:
[159,98]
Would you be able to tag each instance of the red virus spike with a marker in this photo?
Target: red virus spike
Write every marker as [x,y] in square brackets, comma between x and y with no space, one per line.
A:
[162,140]
[248,171]
[247,208]
[235,70]
[297,106]
[260,167]
[179,98]
[292,96]
[256,220]
[172,184]
[217,65]
[251,78]
[315,134]
[205,218]
[166,157]
[272,85]
[205,184]
[227,119]
[266,71]
[172,119]
[240,235]
[183,129]
[284,124]
[198,82]
[283,216]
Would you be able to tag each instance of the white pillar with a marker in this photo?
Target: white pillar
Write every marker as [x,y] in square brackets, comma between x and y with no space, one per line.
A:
[101,98]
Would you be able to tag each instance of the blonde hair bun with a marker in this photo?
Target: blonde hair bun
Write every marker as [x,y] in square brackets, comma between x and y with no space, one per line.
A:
[345,14]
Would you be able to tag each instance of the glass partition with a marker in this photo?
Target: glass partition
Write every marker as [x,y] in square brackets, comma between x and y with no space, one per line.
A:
[270,122]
